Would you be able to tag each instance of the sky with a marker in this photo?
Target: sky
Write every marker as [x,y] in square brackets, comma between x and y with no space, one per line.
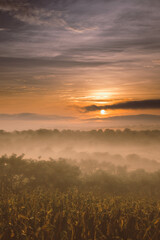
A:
[78,61]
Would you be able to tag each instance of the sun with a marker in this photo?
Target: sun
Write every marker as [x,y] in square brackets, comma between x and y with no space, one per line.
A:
[103,112]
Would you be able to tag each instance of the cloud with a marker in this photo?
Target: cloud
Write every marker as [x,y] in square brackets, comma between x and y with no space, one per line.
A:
[30,14]
[144,104]
[54,62]
[106,41]
[140,117]
[156,62]
[34,116]
[13,5]
[3,29]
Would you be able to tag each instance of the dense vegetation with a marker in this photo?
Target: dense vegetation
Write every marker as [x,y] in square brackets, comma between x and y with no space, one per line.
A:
[55,200]
[111,148]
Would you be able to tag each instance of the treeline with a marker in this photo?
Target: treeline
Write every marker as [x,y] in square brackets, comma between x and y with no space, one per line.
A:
[112,163]
[145,136]
[17,173]
[95,144]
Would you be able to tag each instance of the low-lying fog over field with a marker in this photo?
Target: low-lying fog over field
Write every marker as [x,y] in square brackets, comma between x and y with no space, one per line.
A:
[108,150]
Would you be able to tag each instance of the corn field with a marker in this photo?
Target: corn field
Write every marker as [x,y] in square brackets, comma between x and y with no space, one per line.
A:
[75,215]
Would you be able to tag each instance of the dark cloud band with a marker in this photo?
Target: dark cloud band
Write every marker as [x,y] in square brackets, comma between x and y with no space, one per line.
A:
[145,104]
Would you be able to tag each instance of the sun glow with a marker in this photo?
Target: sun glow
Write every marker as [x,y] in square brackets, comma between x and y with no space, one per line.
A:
[103,112]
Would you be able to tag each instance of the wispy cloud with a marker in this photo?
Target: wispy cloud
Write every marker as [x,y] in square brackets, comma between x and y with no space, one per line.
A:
[2,29]
[61,61]
[140,117]
[32,14]
[34,116]
[27,13]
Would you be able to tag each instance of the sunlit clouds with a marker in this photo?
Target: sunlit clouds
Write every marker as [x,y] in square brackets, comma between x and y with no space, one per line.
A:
[58,57]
